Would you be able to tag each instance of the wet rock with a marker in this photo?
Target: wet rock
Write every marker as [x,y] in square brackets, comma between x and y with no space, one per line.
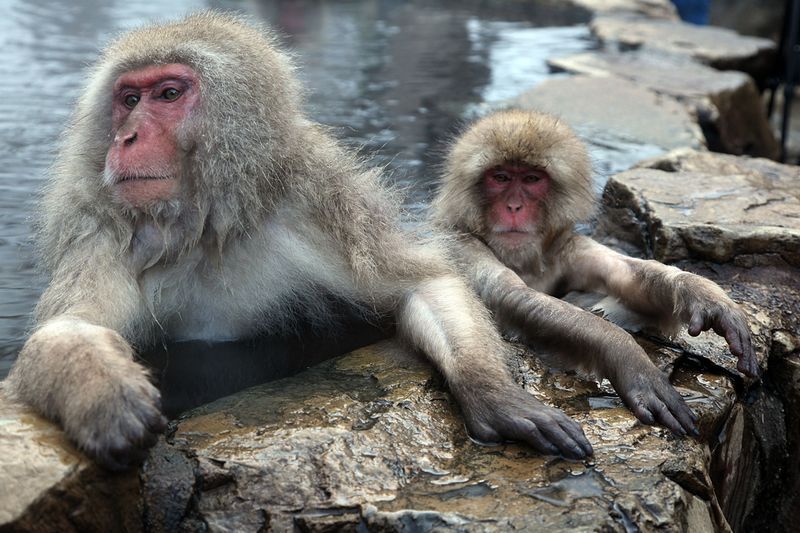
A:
[373,440]
[717,47]
[727,104]
[785,374]
[707,206]
[655,9]
[612,112]
[168,481]
[47,485]
[753,471]
[693,161]
[745,468]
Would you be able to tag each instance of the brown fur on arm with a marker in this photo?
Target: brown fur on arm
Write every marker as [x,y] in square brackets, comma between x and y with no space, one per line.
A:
[667,294]
[576,339]
[581,340]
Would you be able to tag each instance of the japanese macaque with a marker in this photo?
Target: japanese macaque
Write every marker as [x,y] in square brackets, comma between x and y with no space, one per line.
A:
[193,199]
[515,184]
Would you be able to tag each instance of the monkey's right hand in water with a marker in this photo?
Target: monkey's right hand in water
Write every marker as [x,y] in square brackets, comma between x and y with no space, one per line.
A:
[513,414]
[84,376]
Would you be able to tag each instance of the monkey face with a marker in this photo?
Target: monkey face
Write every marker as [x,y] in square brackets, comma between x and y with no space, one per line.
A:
[514,193]
[149,106]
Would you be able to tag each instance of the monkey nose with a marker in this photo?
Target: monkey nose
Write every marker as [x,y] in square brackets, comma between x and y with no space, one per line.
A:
[514,208]
[126,138]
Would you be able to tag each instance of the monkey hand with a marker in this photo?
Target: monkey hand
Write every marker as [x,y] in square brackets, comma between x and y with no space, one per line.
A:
[84,376]
[514,414]
[652,398]
[728,321]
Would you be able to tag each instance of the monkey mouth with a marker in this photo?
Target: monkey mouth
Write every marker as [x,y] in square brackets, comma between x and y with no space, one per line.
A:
[123,179]
[513,237]
[145,191]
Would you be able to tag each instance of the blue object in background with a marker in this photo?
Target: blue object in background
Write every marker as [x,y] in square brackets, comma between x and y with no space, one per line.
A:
[694,11]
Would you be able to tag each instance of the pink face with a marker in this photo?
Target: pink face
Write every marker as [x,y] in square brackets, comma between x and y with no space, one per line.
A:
[143,163]
[514,193]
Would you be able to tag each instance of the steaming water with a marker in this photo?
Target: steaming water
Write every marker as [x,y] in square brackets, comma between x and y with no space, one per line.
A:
[392,77]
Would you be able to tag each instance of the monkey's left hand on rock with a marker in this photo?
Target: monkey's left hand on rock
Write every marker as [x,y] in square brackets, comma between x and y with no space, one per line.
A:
[728,321]
[102,397]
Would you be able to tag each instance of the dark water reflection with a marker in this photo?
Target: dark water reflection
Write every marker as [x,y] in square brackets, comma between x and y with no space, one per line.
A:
[393,77]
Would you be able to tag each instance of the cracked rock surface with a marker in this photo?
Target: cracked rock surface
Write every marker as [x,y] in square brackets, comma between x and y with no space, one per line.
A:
[700,205]
[717,47]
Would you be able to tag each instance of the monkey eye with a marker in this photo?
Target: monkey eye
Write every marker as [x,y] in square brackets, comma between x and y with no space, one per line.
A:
[501,176]
[531,178]
[131,100]
[170,94]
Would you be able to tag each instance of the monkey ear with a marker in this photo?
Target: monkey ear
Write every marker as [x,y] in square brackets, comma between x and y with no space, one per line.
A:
[466,218]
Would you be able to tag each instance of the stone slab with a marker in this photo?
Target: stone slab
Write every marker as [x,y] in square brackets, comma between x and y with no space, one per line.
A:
[48,485]
[727,104]
[372,440]
[708,206]
[717,47]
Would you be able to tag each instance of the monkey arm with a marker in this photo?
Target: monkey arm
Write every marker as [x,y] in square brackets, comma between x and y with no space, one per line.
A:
[579,338]
[438,315]
[93,285]
[444,320]
[78,369]
[664,292]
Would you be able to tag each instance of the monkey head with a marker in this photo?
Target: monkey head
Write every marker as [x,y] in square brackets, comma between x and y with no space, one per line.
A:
[517,179]
[167,126]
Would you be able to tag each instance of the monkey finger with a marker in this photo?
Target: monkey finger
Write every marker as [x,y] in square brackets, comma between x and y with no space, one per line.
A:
[523,430]
[741,346]
[569,447]
[732,334]
[748,362]
[665,418]
[642,413]
[574,430]
[124,457]
[483,433]
[696,323]
[681,412]
[157,424]
[748,368]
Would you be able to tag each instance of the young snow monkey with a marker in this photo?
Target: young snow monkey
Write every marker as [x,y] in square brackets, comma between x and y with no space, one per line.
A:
[515,184]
